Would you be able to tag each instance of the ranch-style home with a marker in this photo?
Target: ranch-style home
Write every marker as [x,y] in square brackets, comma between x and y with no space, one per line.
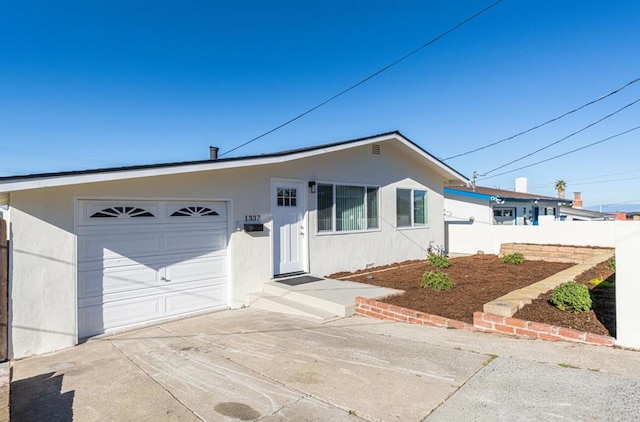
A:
[100,251]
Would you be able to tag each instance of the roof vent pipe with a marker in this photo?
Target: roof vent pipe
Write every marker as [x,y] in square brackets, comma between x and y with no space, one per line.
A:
[213,153]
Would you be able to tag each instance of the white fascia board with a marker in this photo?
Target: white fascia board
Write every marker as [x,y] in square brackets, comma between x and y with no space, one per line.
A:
[113,175]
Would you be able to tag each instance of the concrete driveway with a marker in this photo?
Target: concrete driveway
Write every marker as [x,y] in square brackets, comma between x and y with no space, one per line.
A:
[254,365]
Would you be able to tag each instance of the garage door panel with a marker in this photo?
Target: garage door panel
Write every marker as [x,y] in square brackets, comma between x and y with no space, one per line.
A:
[196,299]
[197,269]
[109,246]
[102,317]
[92,283]
[196,241]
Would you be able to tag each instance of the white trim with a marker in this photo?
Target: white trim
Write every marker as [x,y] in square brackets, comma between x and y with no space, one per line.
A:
[231,224]
[114,174]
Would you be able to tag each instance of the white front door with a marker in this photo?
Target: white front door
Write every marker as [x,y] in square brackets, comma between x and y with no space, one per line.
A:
[288,208]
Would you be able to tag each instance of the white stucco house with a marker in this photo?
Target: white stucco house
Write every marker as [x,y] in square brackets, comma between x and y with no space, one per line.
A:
[100,251]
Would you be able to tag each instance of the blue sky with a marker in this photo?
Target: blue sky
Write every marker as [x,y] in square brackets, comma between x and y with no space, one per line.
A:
[104,83]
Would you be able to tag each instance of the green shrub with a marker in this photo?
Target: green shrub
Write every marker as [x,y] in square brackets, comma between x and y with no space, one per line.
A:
[596,281]
[436,280]
[571,296]
[612,264]
[439,261]
[513,258]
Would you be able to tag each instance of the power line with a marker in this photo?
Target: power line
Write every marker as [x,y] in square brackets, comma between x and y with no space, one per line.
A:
[562,139]
[572,181]
[373,75]
[597,182]
[605,181]
[615,91]
[566,153]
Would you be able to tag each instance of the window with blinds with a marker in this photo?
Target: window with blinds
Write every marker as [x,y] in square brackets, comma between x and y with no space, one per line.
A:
[347,208]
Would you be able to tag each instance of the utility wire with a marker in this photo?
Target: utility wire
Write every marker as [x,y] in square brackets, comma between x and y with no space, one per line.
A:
[562,139]
[605,181]
[597,182]
[373,75]
[566,153]
[572,181]
[615,91]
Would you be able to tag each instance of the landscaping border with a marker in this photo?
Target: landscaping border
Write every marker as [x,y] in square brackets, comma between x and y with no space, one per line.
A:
[481,322]
[520,327]
[376,309]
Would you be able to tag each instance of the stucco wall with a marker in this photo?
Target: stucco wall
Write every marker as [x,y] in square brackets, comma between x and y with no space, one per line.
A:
[463,209]
[43,273]
[470,238]
[627,284]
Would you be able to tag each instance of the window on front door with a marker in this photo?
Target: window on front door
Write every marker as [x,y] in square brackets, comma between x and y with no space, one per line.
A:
[287,197]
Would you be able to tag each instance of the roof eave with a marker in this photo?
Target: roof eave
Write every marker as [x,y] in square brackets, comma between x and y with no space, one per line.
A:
[92,176]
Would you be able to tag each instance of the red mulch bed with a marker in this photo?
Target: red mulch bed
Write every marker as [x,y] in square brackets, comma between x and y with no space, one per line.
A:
[600,320]
[478,279]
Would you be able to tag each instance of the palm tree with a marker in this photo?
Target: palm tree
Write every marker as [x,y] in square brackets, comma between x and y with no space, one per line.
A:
[560,186]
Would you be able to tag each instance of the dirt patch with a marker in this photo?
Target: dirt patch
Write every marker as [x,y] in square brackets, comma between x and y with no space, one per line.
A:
[600,320]
[478,279]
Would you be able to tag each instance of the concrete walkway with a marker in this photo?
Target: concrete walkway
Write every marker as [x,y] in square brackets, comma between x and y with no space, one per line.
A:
[254,365]
[512,302]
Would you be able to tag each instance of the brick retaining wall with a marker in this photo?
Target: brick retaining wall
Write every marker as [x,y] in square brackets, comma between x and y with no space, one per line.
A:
[520,327]
[381,310]
[554,253]
[481,322]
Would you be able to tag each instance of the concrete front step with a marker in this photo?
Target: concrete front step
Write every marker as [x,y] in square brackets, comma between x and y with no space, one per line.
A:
[276,303]
[305,298]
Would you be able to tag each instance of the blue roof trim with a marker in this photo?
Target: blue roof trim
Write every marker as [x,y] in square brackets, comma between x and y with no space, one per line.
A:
[468,194]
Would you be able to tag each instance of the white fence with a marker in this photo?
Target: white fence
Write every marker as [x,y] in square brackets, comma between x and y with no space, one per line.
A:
[628,285]
[623,235]
[469,238]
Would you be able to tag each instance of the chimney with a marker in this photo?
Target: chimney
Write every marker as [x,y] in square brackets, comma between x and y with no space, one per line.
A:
[213,153]
[522,185]
[577,200]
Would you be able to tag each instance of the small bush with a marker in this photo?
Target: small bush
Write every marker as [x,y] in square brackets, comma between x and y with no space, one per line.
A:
[596,281]
[612,264]
[439,261]
[571,296]
[436,280]
[513,258]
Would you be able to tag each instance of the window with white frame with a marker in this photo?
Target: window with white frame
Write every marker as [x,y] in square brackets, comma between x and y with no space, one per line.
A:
[347,207]
[411,208]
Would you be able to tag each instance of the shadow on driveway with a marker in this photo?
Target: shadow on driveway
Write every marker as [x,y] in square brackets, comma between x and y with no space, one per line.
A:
[40,398]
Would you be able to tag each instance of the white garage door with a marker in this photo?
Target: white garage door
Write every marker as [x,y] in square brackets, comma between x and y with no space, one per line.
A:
[143,261]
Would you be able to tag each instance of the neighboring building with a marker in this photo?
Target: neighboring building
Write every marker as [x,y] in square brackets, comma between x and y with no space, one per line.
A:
[498,206]
[99,251]
[578,214]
